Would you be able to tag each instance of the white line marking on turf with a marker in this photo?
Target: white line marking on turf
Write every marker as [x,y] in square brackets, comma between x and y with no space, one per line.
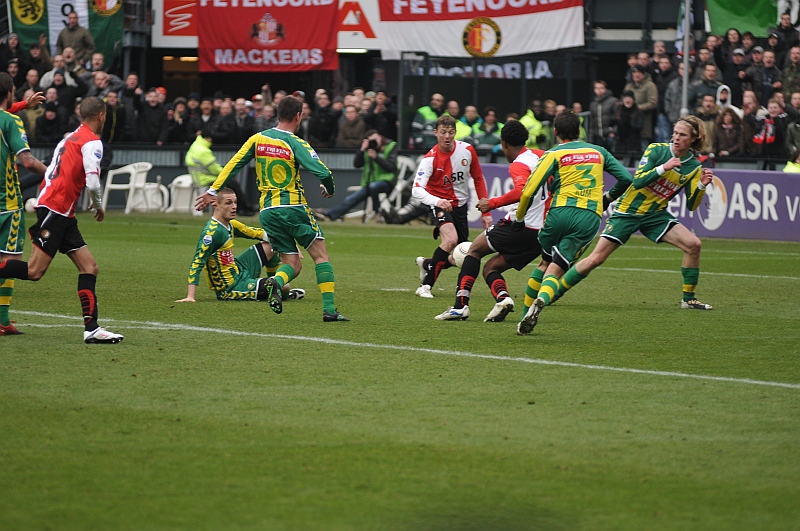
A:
[676,271]
[149,325]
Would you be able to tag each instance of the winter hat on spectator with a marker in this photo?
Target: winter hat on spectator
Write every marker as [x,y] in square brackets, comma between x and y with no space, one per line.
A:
[758,49]
[13,60]
[194,96]
[59,71]
[257,97]
[738,51]
[161,90]
[639,68]
[219,95]
[179,99]
[370,95]
[628,93]
[169,106]
[774,34]
[13,36]
[299,93]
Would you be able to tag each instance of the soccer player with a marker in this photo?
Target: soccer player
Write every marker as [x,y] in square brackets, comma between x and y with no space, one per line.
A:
[577,204]
[14,150]
[513,248]
[442,183]
[285,215]
[232,278]
[664,170]
[76,163]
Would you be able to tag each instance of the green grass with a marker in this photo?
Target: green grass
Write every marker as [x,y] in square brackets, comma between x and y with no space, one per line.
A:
[394,420]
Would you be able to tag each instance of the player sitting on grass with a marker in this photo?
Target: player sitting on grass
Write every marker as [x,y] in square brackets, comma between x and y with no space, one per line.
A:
[513,248]
[233,278]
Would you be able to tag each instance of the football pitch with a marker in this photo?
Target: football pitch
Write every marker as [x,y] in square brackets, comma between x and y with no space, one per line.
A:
[620,410]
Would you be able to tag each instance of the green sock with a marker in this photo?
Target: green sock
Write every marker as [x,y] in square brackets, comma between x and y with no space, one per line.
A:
[6,291]
[325,282]
[690,278]
[549,288]
[532,289]
[284,275]
[570,278]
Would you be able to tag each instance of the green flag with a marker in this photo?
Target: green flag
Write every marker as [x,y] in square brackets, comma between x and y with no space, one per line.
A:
[103,18]
[756,16]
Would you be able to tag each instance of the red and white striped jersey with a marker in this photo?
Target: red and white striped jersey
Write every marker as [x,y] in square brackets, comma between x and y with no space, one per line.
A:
[446,175]
[520,170]
[75,164]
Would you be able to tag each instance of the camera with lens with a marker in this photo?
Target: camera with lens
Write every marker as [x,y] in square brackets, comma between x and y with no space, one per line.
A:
[373,144]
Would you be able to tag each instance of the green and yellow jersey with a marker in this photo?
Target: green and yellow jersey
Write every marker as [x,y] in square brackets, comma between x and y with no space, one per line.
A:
[653,187]
[577,170]
[278,155]
[215,253]
[14,142]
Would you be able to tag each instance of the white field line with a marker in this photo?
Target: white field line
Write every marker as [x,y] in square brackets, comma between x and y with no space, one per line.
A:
[703,273]
[359,344]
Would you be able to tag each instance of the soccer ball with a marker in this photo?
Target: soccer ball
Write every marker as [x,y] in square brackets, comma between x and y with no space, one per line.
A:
[460,252]
[30,204]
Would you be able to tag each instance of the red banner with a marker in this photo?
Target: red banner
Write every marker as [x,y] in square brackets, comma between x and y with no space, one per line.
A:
[298,36]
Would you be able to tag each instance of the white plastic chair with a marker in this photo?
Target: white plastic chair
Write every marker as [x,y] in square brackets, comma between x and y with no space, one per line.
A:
[138,191]
[183,192]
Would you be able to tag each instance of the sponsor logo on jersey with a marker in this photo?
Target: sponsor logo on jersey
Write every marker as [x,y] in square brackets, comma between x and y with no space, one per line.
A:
[274,151]
[643,160]
[572,159]
[464,162]
[482,37]
[207,239]
[226,257]
[98,154]
[45,234]
[313,154]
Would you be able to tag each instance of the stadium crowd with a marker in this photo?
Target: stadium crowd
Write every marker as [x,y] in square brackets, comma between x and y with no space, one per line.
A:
[747,92]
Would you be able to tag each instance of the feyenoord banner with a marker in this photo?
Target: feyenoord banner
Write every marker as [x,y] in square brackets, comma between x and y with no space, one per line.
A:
[480,28]
[286,36]
[103,18]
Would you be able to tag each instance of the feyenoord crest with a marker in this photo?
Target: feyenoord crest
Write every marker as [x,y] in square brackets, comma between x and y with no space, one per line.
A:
[106,8]
[482,37]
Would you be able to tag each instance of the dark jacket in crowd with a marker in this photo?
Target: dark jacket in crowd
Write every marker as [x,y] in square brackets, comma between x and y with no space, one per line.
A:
[322,126]
[151,124]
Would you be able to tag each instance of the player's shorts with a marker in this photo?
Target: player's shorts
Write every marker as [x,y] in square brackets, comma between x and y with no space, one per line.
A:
[247,284]
[566,234]
[54,233]
[457,216]
[12,231]
[287,225]
[518,249]
[654,226]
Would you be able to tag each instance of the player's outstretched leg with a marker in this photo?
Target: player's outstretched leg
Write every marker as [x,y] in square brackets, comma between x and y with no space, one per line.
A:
[531,318]
[274,298]
[325,281]
[504,303]
[690,277]
[532,288]
[93,333]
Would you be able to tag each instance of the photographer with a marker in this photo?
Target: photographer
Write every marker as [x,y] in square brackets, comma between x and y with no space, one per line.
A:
[379,161]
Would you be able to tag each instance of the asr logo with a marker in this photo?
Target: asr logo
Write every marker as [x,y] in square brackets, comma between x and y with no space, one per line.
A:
[482,37]
[106,8]
[715,205]
[28,12]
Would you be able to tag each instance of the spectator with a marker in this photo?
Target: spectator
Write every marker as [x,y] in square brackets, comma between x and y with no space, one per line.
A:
[71,64]
[533,123]
[245,124]
[162,95]
[734,72]
[771,131]
[10,49]
[67,93]
[39,56]
[662,80]
[75,118]
[724,52]
[269,118]
[793,164]
[486,134]
[774,43]
[704,58]
[643,60]
[177,123]
[352,131]
[207,118]
[382,116]
[257,112]
[471,117]
[756,59]
[728,140]
[463,132]
[31,83]
[673,97]
[226,126]
[30,115]
[645,93]
[708,112]
[51,94]
[114,126]
[323,124]
[131,97]
[49,128]
[724,101]
[766,79]
[98,64]
[151,123]
[379,162]
[788,34]
[601,116]
[193,105]
[305,119]
[58,64]
[424,121]
[707,85]
[103,83]
[76,37]
[13,70]
[790,77]
[629,121]
[748,43]
[632,61]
